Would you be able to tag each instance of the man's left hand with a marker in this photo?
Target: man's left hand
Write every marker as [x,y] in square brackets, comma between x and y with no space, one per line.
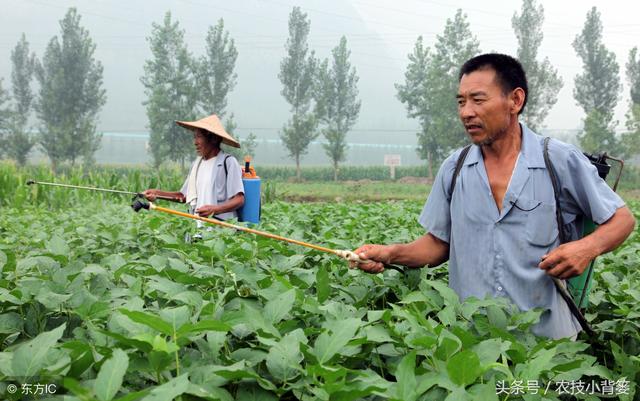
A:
[568,260]
[206,210]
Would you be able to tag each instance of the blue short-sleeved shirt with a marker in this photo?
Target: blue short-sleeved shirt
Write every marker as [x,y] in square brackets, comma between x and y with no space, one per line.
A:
[496,253]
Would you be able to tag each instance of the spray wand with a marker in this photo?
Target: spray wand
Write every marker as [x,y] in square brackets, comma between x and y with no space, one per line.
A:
[139,204]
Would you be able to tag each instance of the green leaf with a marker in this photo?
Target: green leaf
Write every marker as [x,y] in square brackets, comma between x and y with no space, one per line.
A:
[169,390]
[447,293]
[496,316]
[252,392]
[149,320]
[448,344]
[109,378]
[378,334]
[283,360]
[488,351]
[322,284]
[276,309]
[486,391]
[176,317]
[158,262]
[202,326]
[3,260]
[58,246]
[534,366]
[51,299]
[10,323]
[406,378]
[133,396]
[30,357]
[327,345]
[464,368]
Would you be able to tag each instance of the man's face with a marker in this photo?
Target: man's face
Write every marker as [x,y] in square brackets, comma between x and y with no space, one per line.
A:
[485,111]
[202,142]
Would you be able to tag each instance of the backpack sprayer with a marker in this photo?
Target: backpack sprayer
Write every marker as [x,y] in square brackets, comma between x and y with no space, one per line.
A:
[250,211]
[580,286]
[576,292]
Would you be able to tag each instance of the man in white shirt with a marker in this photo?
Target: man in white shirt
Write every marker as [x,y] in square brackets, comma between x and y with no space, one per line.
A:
[213,187]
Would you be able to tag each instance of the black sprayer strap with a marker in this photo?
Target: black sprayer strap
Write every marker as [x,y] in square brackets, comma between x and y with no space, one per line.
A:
[226,170]
[560,286]
[556,190]
[459,163]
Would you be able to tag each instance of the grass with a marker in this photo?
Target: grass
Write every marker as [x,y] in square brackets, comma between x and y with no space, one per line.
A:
[367,191]
[364,190]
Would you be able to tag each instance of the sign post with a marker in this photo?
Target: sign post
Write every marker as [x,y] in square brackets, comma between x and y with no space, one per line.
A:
[392,161]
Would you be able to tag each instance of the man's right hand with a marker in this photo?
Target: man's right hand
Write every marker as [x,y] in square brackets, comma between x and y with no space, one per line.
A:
[375,255]
[150,194]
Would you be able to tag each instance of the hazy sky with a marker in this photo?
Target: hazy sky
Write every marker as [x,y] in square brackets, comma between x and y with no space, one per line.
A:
[380,34]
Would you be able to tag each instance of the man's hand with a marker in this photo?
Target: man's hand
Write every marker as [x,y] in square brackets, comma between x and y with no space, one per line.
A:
[568,260]
[376,254]
[150,194]
[206,210]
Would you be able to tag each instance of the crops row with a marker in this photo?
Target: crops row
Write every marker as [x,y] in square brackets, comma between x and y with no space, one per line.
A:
[109,304]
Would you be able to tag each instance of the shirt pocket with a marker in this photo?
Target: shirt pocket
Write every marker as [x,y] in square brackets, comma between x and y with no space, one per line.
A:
[541,225]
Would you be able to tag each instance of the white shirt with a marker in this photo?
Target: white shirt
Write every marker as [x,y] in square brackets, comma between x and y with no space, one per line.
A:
[213,187]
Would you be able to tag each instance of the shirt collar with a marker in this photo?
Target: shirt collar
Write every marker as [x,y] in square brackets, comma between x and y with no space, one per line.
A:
[530,150]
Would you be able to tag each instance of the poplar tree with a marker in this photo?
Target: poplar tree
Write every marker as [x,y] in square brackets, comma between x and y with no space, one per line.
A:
[19,141]
[337,104]
[631,139]
[431,83]
[216,77]
[543,80]
[71,94]
[597,88]
[170,86]
[5,114]
[297,74]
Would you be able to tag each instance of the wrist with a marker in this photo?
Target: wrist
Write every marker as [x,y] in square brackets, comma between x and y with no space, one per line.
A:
[593,247]
[393,251]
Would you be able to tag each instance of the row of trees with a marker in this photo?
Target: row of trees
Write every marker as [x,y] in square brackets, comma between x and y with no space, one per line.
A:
[323,94]
[432,77]
[67,104]
[178,83]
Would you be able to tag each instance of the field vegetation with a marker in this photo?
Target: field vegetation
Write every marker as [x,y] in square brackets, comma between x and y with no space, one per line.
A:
[113,305]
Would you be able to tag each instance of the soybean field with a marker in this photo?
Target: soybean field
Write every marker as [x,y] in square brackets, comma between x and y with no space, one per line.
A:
[101,303]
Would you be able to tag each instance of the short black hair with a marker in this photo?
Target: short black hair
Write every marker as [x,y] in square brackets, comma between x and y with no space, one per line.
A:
[509,72]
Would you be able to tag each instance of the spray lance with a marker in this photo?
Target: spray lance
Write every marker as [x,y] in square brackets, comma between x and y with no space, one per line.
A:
[136,195]
[139,203]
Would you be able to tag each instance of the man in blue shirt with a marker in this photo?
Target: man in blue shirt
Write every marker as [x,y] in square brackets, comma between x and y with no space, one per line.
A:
[498,227]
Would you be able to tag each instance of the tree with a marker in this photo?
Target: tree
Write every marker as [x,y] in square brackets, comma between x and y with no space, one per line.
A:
[170,85]
[597,88]
[215,71]
[631,139]
[544,81]
[19,141]
[431,82]
[5,114]
[337,104]
[297,74]
[70,95]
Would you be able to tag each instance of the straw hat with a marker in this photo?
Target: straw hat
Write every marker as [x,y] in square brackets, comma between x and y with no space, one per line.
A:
[213,125]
